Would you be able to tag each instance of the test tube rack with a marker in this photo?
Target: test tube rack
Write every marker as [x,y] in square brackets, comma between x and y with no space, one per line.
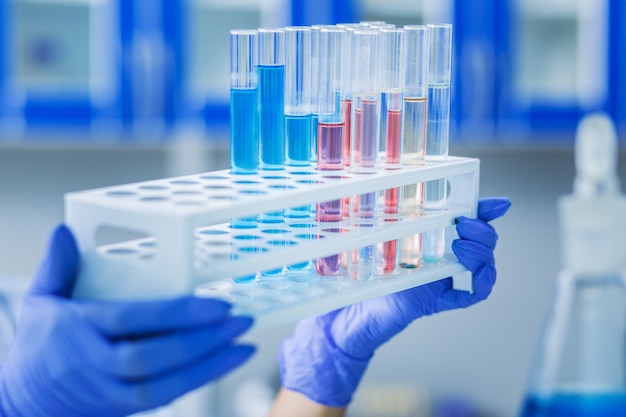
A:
[186,246]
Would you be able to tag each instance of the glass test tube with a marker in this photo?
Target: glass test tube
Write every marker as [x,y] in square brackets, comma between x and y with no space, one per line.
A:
[330,130]
[298,119]
[315,64]
[298,95]
[346,89]
[392,82]
[414,136]
[244,138]
[437,134]
[364,141]
[271,73]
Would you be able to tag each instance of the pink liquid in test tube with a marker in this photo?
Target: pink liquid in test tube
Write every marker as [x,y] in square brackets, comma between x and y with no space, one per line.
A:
[394,126]
[330,152]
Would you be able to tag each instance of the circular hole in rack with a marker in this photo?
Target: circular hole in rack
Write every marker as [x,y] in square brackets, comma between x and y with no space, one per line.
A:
[310,236]
[252,249]
[217,187]
[121,193]
[302,173]
[240,226]
[303,226]
[148,244]
[221,257]
[153,187]
[212,232]
[275,177]
[246,182]
[222,197]
[281,187]
[310,182]
[275,231]
[121,251]
[189,203]
[152,199]
[212,177]
[246,237]
[252,192]
[282,243]
[216,243]
[186,192]
[184,182]
[337,177]
[335,230]
[146,257]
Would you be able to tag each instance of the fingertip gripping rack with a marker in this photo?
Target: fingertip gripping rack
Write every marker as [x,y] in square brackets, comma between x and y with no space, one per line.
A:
[183,243]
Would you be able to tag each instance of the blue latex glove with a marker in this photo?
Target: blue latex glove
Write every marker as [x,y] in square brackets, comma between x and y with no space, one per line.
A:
[327,355]
[104,359]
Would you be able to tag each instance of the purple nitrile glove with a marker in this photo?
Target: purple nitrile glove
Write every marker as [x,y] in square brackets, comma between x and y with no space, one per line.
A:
[76,358]
[327,355]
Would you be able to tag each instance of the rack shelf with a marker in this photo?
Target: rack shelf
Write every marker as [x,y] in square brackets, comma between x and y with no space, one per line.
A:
[183,241]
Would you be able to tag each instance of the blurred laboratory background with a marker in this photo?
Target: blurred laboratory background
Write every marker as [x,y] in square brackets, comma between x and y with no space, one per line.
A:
[103,92]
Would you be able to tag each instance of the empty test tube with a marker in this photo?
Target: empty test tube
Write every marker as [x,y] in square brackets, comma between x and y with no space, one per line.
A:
[414,136]
[437,134]
[392,70]
[330,130]
[244,138]
[364,141]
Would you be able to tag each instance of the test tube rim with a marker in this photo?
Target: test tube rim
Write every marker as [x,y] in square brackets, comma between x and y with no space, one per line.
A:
[239,32]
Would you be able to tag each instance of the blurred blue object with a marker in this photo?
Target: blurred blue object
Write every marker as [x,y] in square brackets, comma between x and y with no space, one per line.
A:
[327,355]
[106,359]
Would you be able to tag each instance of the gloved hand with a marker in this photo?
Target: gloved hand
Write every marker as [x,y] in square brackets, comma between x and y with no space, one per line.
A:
[100,359]
[327,355]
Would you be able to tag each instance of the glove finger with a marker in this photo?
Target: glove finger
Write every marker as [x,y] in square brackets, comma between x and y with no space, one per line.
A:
[120,319]
[162,390]
[57,273]
[472,255]
[492,208]
[477,231]
[483,282]
[144,358]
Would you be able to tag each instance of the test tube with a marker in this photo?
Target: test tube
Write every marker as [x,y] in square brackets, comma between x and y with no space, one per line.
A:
[315,64]
[437,134]
[414,136]
[346,88]
[244,119]
[364,141]
[244,138]
[365,102]
[298,119]
[298,95]
[392,70]
[271,73]
[330,130]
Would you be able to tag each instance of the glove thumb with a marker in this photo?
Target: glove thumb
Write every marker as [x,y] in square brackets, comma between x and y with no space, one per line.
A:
[57,272]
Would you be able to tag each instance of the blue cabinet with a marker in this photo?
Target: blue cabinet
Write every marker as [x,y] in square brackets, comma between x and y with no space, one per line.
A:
[59,65]
[530,69]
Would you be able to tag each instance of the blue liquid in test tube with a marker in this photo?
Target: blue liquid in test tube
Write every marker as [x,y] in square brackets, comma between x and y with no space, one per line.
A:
[244,140]
[298,109]
[271,73]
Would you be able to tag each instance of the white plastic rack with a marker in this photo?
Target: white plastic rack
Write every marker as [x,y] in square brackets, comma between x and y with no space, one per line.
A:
[183,243]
